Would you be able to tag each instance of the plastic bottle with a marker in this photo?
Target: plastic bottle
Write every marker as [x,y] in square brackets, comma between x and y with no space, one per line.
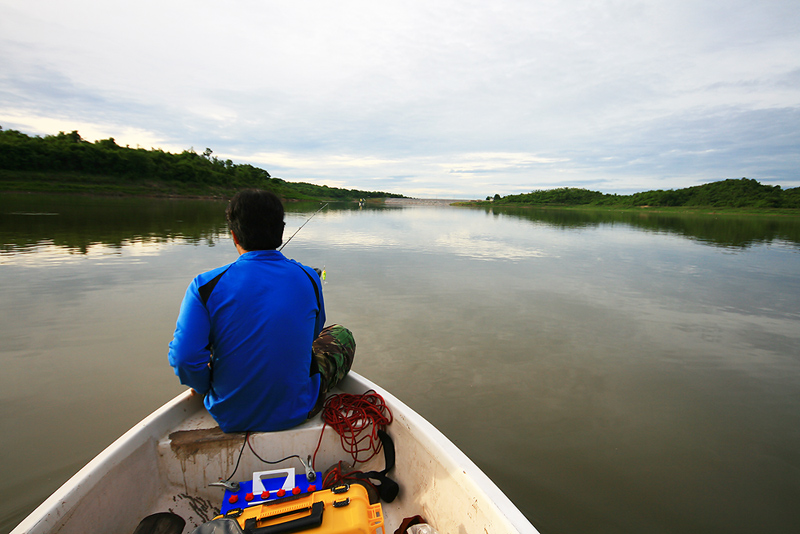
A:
[421,528]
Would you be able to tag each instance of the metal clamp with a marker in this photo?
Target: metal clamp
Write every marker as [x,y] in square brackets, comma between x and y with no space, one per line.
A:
[228,485]
[310,474]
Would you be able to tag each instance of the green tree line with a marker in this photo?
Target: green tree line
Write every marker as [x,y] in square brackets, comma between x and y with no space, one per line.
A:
[731,193]
[66,162]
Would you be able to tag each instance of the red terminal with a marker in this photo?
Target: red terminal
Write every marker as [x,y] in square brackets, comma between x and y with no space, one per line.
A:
[265,495]
[248,497]
[233,499]
[296,490]
[311,488]
[281,492]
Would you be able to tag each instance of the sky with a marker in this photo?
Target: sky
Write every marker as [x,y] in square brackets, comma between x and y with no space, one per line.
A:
[429,99]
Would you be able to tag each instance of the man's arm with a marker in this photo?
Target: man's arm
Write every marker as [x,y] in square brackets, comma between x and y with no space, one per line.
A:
[189,350]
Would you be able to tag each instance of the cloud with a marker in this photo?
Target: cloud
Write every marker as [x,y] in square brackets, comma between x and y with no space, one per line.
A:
[457,98]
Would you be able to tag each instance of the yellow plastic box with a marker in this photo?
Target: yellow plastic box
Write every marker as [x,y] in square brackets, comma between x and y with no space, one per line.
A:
[344,509]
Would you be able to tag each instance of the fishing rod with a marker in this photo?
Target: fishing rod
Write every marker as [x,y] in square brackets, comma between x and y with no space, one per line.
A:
[301,226]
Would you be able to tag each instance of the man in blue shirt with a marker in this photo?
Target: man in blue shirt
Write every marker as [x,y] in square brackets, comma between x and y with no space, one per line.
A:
[245,331]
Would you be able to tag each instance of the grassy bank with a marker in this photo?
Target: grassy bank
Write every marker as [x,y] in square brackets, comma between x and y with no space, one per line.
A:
[71,182]
[740,197]
[114,185]
[689,210]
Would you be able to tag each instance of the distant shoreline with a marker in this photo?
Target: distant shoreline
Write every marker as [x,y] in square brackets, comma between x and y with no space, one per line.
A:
[666,210]
[740,196]
[426,201]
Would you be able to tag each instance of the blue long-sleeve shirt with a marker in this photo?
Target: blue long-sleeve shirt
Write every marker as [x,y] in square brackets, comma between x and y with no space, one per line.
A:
[243,339]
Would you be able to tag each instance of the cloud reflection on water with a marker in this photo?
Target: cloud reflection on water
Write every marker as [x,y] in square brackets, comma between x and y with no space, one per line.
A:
[48,254]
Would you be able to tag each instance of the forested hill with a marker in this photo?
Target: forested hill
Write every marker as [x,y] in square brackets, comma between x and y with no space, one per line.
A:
[742,193]
[68,163]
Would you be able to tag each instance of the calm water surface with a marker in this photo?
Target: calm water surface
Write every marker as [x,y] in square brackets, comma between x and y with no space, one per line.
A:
[612,373]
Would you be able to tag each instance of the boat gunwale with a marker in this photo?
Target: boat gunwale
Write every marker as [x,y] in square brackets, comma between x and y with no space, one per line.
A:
[448,454]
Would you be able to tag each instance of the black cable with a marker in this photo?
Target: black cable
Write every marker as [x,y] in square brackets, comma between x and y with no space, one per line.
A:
[248,444]
[247,439]
[239,459]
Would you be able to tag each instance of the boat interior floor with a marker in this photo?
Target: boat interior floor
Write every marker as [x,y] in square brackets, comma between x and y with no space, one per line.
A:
[196,455]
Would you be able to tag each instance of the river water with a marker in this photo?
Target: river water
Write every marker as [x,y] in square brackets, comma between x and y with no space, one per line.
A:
[612,373]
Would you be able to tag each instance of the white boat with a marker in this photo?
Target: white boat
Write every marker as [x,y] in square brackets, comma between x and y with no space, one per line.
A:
[166,463]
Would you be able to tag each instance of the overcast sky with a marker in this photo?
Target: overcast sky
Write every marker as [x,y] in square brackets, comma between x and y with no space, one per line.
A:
[425,98]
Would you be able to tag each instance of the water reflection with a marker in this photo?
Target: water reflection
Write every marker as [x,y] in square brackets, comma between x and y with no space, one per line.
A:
[47,254]
[48,224]
[78,223]
[721,230]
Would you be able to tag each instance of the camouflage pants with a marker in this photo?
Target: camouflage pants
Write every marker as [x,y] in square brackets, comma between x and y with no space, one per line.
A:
[333,351]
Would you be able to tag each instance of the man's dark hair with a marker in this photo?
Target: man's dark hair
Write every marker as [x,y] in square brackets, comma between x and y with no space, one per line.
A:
[256,219]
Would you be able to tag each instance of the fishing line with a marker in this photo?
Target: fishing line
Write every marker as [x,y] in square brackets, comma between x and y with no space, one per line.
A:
[301,226]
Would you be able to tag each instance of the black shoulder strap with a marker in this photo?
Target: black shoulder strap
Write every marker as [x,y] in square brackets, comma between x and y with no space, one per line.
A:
[316,289]
[206,289]
[314,368]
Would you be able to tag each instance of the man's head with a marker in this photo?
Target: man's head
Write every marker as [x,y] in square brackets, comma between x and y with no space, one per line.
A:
[256,219]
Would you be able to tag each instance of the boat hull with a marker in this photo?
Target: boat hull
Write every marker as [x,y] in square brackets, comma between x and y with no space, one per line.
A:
[166,463]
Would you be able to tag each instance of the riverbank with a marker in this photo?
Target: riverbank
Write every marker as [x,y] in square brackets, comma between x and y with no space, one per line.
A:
[106,185]
[78,183]
[736,196]
[675,210]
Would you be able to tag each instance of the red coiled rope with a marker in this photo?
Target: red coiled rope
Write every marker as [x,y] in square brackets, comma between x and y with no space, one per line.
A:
[357,419]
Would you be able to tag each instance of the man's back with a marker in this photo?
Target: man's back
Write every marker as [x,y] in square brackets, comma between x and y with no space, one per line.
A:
[261,315]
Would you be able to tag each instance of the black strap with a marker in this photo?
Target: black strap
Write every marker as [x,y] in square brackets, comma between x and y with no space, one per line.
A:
[388,488]
[316,289]
[206,289]
[314,368]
